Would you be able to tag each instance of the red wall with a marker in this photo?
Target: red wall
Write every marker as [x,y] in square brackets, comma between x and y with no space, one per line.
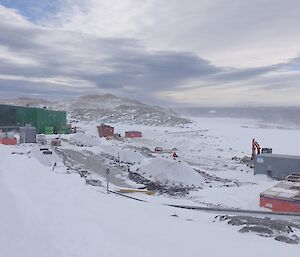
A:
[105,131]
[8,141]
[279,205]
[133,134]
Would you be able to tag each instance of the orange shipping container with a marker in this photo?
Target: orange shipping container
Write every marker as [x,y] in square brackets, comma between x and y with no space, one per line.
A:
[280,205]
[8,141]
[133,134]
[283,197]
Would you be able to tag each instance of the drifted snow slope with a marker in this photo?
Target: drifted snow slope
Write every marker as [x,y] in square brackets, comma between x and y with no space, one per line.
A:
[170,172]
[45,213]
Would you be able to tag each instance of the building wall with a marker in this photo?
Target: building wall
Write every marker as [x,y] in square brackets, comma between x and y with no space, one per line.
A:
[129,134]
[279,205]
[7,116]
[276,167]
[8,141]
[49,118]
[105,131]
[16,116]
[25,115]
[27,135]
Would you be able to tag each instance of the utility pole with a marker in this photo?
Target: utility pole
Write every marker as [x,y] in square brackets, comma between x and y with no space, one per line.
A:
[107,182]
[54,165]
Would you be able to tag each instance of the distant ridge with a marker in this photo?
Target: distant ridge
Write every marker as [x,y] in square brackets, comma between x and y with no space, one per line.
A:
[107,108]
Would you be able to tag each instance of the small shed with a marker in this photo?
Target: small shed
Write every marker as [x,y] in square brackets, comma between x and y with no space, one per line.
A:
[133,134]
[283,197]
[27,134]
[41,139]
[7,139]
[56,142]
[277,166]
[105,131]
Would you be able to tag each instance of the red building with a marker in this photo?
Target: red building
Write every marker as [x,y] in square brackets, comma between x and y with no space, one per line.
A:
[283,197]
[105,131]
[8,141]
[133,134]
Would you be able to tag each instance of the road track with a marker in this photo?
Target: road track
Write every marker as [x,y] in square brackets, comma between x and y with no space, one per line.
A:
[215,210]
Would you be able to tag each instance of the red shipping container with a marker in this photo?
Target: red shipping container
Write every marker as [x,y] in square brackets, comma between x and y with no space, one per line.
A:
[133,134]
[280,205]
[105,131]
[283,197]
[8,141]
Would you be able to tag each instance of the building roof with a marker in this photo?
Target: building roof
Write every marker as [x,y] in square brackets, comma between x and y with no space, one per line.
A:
[280,156]
[106,126]
[287,189]
[28,107]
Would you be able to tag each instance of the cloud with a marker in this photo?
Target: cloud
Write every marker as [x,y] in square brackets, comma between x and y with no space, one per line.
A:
[79,52]
[34,10]
[108,63]
[237,34]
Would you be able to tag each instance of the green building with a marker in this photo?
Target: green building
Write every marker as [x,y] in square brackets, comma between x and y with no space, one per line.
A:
[41,119]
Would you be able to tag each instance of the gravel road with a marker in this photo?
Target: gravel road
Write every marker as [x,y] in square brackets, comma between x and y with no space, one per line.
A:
[97,164]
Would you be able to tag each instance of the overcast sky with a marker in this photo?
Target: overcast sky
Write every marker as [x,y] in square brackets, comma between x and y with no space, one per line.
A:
[192,52]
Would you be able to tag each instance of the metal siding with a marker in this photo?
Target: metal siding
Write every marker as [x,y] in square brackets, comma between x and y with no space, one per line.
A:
[7,116]
[59,120]
[279,205]
[8,141]
[49,118]
[105,131]
[42,121]
[37,117]
[16,115]
[25,115]
[27,135]
[279,166]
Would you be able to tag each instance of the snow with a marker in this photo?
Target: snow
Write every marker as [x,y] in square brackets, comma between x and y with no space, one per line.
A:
[109,108]
[45,159]
[86,140]
[45,213]
[55,213]
[126,155]
[169,171]
[207,145]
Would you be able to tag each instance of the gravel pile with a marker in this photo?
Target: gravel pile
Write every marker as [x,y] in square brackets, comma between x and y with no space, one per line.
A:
[158,187]
[280,230]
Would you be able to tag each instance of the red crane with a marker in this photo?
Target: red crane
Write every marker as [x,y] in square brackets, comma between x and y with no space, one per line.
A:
[255,148]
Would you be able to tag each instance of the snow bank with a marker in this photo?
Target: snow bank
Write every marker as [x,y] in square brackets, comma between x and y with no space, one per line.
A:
[86,140]
[46,213]
[126,155]
[45,159]
[130,156]
[170,171]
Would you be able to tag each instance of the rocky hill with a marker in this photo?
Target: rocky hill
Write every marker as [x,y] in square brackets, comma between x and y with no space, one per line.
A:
[107,108]
[24,101]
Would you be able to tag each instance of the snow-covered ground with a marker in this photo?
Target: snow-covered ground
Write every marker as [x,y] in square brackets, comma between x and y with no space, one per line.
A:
[206,146]
[46,212]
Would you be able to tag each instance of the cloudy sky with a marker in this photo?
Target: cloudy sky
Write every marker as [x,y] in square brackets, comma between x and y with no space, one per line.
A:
[192,52]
